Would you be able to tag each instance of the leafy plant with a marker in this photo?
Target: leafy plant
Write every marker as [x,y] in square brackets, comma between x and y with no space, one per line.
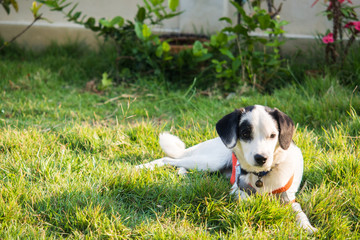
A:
[246,58]
[345,21]
[138,49]
[106,82]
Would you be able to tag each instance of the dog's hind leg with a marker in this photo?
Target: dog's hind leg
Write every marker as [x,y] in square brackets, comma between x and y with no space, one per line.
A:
[197,162]
[151,165]
[162,162]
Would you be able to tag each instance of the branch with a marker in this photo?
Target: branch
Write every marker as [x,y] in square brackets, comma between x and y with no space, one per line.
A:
[22,32]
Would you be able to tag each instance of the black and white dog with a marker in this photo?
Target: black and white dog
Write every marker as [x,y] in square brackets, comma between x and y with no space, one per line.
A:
[256,144]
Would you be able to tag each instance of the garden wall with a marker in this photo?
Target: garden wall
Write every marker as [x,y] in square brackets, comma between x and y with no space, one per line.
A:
[199,16]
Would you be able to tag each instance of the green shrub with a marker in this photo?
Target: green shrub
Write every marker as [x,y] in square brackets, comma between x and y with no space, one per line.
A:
[138,49]
[245,58]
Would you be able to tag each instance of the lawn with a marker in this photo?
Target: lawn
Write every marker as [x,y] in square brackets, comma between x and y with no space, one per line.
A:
[67,156]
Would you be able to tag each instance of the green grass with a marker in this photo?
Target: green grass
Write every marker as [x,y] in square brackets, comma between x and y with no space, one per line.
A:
[67,157]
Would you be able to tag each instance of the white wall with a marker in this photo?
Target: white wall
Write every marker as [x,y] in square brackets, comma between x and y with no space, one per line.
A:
[200,16]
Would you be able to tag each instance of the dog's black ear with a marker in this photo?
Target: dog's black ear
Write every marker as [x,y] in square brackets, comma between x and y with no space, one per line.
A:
[286,128]
[228,128]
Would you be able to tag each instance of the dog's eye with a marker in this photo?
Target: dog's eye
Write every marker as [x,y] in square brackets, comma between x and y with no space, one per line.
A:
[245,131]
[273,135]
[245,134]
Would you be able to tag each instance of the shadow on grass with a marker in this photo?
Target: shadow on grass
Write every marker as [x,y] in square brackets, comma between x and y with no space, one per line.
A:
[123,204]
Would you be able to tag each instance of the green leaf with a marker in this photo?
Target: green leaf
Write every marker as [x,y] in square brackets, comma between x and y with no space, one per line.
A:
[264,21]
[204,57]
[138,30]
[76,15]
[219,39]
[168,58]
[16,7]
[345,12]
[90,23]
[159,51]
[104,22]
[275,43]
[218,68]
[7,8]
[173,4]
[213,41]
[239,8]
[34,8]
[227,52]
[117,20]
[282,23]
[199,50]
[226,19]
[146,31]
[165,46]
[239,29]
[140,15]
[156,2]
[105,81]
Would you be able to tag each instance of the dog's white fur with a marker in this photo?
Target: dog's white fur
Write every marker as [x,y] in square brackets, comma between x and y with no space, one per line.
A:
[216,154]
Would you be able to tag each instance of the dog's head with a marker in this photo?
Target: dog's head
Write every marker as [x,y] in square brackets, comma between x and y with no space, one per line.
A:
[254,134]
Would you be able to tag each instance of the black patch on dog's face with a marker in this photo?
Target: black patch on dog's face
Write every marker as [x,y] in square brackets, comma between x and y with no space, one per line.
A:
[245,131]
[249,108]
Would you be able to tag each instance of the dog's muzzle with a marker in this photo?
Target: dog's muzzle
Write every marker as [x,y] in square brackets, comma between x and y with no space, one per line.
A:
[260,159]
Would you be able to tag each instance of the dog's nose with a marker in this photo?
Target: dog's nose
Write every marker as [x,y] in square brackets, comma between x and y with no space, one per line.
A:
[260,159]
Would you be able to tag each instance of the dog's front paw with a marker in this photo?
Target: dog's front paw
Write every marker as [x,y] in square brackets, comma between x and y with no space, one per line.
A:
[236,192]
[302,219]
[306,225]
[310,229]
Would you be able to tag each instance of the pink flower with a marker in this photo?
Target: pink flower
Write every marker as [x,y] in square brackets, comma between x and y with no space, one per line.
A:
[355,24]
[330,4]
[341,1]
[328,38]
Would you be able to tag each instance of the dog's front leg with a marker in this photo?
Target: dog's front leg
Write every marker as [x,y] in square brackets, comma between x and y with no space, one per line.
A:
[302,219]
[236,192]
[242,189]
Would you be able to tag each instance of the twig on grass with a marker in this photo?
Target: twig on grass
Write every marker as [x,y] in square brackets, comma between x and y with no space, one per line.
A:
[116,98]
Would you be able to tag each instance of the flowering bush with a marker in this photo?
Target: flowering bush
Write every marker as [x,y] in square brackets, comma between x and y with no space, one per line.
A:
[345,21]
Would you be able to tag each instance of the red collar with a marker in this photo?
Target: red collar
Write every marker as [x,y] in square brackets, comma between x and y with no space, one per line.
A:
[235,164]
[284,188]
[235,172]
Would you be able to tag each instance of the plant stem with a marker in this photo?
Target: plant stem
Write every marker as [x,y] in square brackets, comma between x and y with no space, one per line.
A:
[336,27]
[348,45]
[21,33]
